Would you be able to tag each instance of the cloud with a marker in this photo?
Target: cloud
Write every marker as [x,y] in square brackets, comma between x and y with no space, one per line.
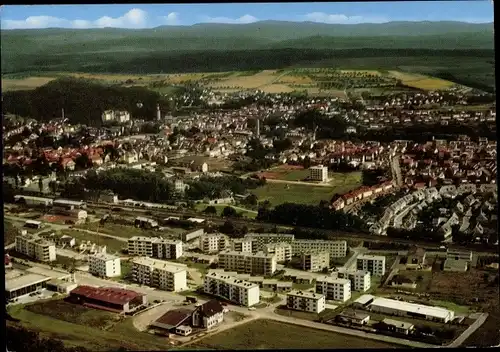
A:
[242,20]
[171,19]
[135,18]
[341,19]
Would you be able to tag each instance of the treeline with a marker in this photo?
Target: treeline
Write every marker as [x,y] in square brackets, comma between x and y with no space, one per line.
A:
[220,187]
[310,216]
[83,101]
[416,234]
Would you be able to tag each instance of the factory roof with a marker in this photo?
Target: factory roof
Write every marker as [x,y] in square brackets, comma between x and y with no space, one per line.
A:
[112,295]
[437,312]
[21,281]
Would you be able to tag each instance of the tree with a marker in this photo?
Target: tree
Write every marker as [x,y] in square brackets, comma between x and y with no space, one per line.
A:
[40,185]
[252,200]
[228,228]
[210,210]
[229,212]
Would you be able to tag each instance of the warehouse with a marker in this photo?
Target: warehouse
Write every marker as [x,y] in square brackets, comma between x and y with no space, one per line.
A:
[108,298]
[400,308]
[30,200]
[18,284]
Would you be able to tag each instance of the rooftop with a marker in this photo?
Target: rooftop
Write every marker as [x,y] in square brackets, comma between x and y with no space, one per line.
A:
[371,257]
[231,280]
[211,308]
[173,318]
[21,281]
[305,294]
[112,295]
[412,307]
[104,256]
[364,299]
[332,280]
[160,264]
[397,323]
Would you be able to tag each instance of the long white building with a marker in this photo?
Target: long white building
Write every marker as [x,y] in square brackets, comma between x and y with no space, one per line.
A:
[282,251]
[165,275]
[213,243]
[334,288]
[374,264]
[36,247]
[337,249]
[104,265]
[360,280]
[235,290]
[250,263]
[306,301]
[261,239]
[155,247]
[315,261]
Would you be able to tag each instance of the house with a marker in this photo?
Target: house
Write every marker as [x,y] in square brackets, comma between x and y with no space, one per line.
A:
[398,326]
[208,315]
[402,281]
[172,320]
[353,317]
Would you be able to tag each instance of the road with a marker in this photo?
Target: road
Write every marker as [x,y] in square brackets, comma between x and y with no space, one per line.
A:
[396,170]
[470,330]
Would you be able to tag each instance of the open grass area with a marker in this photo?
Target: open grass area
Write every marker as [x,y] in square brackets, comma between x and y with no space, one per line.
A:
[220,207]
[267,334]
[422,82]
[112,244]
[118,230]
[71,325]
[9,84]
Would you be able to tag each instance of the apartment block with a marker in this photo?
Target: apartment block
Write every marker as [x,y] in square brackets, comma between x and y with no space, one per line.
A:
[318,173]
[155,247]
[337,249]
[165,275]
[315,261]
[213,243]
[235,290]
[459,255]
[360,280]
[250,263]
[334,288]
[306,301]
[282,251]
[36,247]
[374,264]
[104,265]
[261,239]
[242,245]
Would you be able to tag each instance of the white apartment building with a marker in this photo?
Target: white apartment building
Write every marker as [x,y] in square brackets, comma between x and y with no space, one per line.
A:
[112,115]
[315,261]
[238,291]
[242,245]
[36,247]
[213,243]
[250,263]
[360,280]
[155,247]
[261,239]
[282,251]
[337,249]
[104,265]
[165,275]
[334,288]
[374,264]
[306,301]
[318,173]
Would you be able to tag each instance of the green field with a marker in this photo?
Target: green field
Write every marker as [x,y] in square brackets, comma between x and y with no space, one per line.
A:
[267,334]
[219,207]
[112,244]
[79,326]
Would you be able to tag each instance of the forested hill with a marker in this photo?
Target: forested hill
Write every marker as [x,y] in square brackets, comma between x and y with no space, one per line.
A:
[83,101]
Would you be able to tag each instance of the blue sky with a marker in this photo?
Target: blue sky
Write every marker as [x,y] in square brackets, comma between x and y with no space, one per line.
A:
[145,16]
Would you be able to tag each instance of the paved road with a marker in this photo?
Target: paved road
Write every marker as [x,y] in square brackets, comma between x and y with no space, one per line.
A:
[470,330]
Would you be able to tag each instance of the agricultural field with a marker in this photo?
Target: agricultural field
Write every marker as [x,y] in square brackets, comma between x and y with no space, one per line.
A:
[220,207]
[80,326]
[421,82]
[9,84]
[267,334]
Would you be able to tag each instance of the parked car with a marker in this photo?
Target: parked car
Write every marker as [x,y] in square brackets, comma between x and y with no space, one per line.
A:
[252,308]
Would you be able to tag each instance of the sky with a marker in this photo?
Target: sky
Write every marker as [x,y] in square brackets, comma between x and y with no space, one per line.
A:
[153,15]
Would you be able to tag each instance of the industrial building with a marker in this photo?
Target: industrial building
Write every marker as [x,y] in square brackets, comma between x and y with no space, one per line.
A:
[213,243]
[282,251]
[374,264]
[159,273]
[104,265]
[306,301]
[145,223]
[23,284]
[318,173]
[155,247]
[36,247]
[337,249]
[315,262]
[235,290]
[334,288]
[112,299]
[69,204]
[250,263]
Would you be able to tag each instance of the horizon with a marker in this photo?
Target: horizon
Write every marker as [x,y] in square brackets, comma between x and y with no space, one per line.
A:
[149,16]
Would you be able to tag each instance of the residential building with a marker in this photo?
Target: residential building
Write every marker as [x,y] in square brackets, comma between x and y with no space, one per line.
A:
[250,263]
[374,264]
[213,243]
[400,327]
[334,288]
[282,251]
[337,249]
[316,261]
[155,247]
[104,265]
[208,315]
[242,245]
[360,280]
[306,301]
[235,290]
[353,317]
[165,275]
[36,247]
[261,239]
[318,173]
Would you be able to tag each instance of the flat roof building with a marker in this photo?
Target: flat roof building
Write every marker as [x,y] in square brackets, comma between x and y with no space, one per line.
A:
[334,288]
[336,249]
[242,245]
[155,247]
[165,275]
[36,247]
[250,263]
[213,242]
[23,284]
[104,265]
[282,250]
[261,239]
[306,301]
[360,280]
[315,262]
[374,264]
[235,290]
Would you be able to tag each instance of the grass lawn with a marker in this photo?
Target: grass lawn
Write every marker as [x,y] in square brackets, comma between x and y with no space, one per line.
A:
[219,207]
[112,245]
[279,193]
[118,230]
[74,326]
[267,334]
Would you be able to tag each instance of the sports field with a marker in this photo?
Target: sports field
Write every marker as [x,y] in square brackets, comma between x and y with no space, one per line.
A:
[267,334]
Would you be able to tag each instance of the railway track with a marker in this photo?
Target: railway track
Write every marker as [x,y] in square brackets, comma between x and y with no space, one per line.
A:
[183,214]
